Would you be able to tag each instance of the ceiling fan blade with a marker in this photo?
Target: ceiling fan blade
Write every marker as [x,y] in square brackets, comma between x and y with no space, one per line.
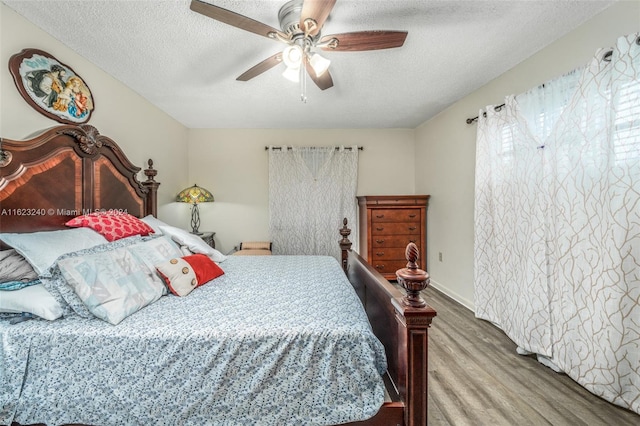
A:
[263,66]
[234,19]
[318,11]
[364,40]
[324,81]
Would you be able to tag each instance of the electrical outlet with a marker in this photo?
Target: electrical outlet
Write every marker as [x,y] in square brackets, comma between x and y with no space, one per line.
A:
[440,256]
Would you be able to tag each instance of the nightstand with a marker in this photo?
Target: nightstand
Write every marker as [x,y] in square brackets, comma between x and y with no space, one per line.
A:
[208,238]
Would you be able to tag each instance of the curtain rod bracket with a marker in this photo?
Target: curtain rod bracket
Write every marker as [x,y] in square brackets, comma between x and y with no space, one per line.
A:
[484,114]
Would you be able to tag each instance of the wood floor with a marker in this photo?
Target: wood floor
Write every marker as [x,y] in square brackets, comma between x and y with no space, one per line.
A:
[476,378]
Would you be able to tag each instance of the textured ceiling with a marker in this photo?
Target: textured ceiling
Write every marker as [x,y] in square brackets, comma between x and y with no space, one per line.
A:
[186,64]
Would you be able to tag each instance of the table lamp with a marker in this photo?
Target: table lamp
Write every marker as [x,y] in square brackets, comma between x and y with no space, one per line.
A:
[195,195]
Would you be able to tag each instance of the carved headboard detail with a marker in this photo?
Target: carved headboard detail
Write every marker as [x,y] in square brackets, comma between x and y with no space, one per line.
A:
[66,171]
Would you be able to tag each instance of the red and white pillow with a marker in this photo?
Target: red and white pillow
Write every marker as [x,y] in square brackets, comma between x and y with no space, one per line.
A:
[112,226]
[184,274]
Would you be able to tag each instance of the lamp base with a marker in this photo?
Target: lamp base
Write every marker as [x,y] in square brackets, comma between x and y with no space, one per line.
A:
[195,220]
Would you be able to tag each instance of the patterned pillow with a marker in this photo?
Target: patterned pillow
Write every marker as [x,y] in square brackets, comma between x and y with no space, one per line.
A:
[112,284]
[146,252]
[186,273]
[112,226]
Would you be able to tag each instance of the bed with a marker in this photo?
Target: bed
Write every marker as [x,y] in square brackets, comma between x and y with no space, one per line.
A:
[312,350]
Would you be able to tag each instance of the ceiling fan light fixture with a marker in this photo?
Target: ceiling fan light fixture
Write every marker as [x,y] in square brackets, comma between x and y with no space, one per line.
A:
[292,74]
[319,64]
[292,56]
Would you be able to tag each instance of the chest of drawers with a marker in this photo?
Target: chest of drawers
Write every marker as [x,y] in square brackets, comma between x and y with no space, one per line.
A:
[387,224]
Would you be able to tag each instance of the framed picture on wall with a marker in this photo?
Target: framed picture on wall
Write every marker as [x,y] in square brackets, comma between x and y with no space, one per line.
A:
[51,87]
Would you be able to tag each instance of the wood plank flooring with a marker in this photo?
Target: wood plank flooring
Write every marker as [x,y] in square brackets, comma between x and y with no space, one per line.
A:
[477,378]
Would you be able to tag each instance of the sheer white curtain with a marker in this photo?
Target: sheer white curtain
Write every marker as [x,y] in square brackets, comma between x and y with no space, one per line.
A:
[557,222]
[311,189]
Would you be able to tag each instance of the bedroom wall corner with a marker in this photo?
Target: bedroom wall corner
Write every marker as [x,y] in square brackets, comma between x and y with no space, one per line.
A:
[445,144]
[140,129]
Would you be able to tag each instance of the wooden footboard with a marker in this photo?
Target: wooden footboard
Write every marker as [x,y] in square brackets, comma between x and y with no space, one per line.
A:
[403,330]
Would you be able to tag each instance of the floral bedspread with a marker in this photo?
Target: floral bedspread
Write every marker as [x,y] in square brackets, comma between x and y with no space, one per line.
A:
[276,340]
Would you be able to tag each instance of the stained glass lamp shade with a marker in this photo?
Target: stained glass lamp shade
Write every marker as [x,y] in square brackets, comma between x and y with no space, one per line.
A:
[195,195]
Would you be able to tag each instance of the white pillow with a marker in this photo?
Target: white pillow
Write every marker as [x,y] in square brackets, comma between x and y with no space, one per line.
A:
[41,249]
[35,300]
[194,243]
[154,222]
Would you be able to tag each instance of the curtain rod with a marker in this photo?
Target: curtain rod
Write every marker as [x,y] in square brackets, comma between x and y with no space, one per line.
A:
[360,148]
[606,57]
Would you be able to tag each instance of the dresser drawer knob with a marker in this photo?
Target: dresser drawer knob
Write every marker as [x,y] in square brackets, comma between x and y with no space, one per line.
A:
[382,241]
[380,228]
[412,228]
[380,253]
[379,266]
[412,215]
[379,216]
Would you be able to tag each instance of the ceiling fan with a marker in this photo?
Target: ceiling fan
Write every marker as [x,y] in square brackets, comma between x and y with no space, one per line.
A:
[301,23]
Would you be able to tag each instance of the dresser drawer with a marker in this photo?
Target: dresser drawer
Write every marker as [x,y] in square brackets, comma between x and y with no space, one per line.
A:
[394,228]
[388,267]
[389,253]
[395,215]
[383,241]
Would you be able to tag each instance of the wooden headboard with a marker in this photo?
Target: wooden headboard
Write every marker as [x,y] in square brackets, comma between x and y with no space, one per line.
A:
[67,171]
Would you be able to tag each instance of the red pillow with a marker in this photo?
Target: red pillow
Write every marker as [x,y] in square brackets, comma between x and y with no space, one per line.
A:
[112,226]
[184,274]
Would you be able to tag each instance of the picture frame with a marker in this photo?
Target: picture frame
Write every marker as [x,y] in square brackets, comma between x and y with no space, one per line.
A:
[52,88]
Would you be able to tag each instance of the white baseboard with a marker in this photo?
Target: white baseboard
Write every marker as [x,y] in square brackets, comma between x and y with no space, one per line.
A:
[462,300]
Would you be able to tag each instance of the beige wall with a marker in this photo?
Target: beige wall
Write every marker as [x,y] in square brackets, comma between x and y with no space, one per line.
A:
[445,145]
[141,130]
[233,164]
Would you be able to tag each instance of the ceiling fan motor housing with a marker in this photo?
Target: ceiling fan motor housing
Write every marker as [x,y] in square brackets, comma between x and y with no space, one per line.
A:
[289,18]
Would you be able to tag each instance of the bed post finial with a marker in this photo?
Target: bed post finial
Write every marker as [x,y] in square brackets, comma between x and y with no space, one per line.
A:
[413,279]
[345,244]
[150,173]
[151,203]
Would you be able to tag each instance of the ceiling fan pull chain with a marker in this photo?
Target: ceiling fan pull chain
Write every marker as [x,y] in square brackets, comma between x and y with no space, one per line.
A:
[303,84]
